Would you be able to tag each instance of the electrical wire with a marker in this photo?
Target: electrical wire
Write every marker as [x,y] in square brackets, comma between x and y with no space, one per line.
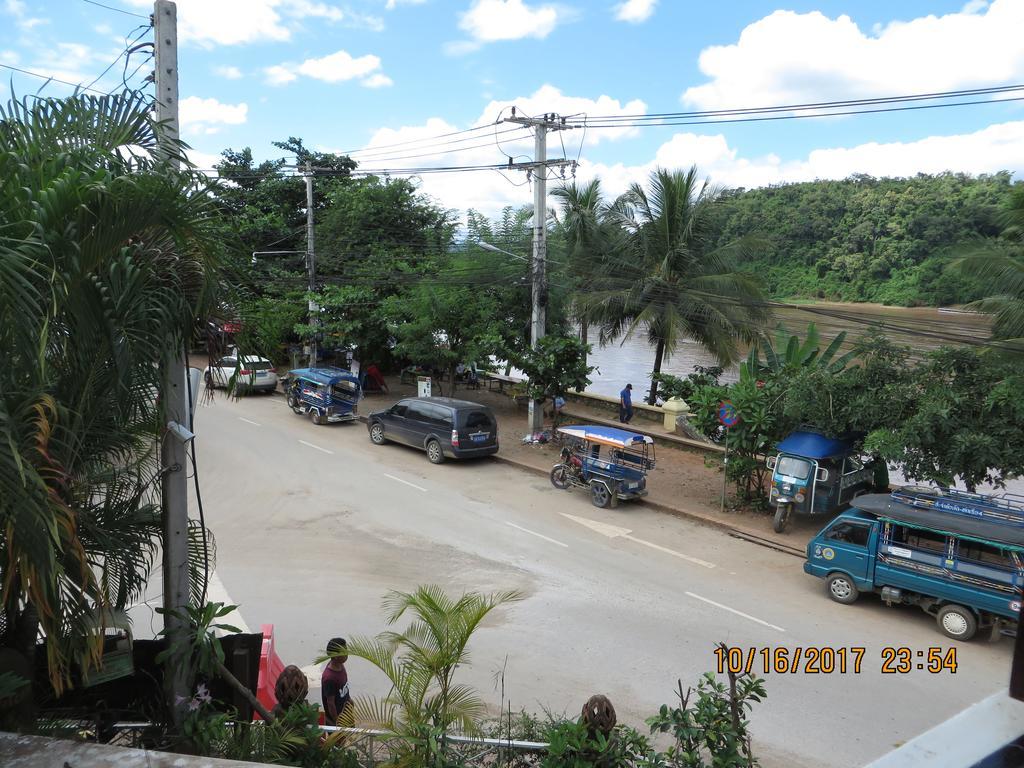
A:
[118,10]
[195,477]
[128,49]
[351,152]
[365,155]
[51,78]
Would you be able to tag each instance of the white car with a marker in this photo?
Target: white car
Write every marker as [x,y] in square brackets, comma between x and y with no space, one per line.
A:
[255,374]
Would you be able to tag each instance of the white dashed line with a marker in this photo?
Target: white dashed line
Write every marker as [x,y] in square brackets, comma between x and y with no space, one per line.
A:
[733,610]
[405,482]
[317,447]
[249,421]
[534,533]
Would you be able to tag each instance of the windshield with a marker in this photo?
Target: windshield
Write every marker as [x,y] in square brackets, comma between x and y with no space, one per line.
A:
[792,466]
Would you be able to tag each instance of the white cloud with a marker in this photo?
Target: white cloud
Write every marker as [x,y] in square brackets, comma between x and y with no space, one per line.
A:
[377,81]
[789,57]
[203,160]
[201,115]
[491,20]
[231,73]
[635,11]
[19,11]
[334,68]
[211,23]
[392,4]
[992,149]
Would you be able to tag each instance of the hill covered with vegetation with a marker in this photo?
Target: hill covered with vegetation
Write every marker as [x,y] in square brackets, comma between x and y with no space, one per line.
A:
[867,239]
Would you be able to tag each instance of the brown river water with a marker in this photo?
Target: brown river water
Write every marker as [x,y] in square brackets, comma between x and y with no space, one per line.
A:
[921,328]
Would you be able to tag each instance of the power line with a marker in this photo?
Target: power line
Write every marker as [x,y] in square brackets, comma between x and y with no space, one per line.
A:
[118,10]
[53,79]
[364,155]
[417,141]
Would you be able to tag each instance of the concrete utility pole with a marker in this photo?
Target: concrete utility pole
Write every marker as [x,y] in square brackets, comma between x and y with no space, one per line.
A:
[174,392]
[314,309]
[538,171]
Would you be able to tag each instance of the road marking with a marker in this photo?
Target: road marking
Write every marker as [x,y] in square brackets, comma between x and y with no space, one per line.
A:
[249,421]
[534,533]
[733,610]
[324,450]
[614,531]
[216,593]
[405,482]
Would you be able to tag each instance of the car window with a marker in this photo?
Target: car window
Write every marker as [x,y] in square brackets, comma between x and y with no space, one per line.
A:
[228,362]
[261,366]
[440,416]
[399,409]
[478,420]
[418,411]
[793,467]
[853,533]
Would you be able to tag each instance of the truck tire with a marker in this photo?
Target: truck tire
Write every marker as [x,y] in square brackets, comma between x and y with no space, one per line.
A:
[842,589]
[957,622]
[600,496]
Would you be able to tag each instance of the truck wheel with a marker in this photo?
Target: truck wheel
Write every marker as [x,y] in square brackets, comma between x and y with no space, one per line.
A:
[294,404]
[957,622]
[316,417]
[842,589]
[781,517]
[434,452]
[600,496]
[560,476]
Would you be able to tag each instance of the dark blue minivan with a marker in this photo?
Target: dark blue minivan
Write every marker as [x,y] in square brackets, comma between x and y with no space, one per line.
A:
[441,426]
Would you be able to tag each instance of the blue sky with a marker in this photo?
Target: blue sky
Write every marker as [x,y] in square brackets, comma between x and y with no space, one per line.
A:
[351,74]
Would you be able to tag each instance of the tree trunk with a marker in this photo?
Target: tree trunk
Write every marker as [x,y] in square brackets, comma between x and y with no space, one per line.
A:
[231,680]
[584,333]
[451,379]
[659,353]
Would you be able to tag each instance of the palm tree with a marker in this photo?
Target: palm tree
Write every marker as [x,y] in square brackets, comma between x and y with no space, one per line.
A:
[1001,270]
[670,279]
[421,661]
[106,256]
[590,238]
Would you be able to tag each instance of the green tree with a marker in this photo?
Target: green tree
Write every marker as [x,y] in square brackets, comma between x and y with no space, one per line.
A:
[420,663]
[107,256]
[672,280]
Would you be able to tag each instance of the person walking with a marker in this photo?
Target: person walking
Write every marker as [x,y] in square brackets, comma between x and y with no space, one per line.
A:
[626,404]
[334,691]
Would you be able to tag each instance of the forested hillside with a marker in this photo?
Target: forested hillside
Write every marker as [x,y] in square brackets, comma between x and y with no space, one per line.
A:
[867,239]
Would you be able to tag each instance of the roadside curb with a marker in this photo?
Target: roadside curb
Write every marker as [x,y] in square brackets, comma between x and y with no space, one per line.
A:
[721,525]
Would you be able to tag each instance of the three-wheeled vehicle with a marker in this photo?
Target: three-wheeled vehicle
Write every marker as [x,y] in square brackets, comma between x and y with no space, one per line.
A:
[327,394]
[617,474]
[816,475]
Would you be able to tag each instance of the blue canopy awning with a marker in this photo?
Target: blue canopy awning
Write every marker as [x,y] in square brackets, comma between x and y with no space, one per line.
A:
[620,438]
[812,445]
[327,375]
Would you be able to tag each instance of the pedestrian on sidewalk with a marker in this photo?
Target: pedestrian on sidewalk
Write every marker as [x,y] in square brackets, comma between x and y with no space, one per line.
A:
[334,690]
[626,404]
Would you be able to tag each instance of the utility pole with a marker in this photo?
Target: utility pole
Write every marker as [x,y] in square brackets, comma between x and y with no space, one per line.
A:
[174,392]
[538,171]
[314,310]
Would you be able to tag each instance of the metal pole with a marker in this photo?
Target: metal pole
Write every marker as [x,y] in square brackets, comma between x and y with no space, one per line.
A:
[537,272]
[725,468]
[174,392]
[314,310]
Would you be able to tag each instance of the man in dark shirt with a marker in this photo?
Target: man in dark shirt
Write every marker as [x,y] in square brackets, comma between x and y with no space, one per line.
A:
[626,404]
[334,685]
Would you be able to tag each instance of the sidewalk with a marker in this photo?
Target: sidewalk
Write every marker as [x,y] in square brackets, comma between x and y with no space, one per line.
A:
[687,482]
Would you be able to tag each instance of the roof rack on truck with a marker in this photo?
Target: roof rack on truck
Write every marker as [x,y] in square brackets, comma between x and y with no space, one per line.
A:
[1004,508]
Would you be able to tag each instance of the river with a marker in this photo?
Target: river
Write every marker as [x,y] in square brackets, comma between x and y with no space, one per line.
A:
[921,328]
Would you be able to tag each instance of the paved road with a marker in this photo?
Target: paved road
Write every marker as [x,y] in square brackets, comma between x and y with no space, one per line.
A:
[315,524]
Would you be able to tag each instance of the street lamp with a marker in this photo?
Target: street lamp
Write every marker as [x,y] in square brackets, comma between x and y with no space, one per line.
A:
[537,319]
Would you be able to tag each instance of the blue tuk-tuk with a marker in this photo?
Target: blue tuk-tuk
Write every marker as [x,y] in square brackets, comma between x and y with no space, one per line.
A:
[619,473]
[327,394]
[816,475]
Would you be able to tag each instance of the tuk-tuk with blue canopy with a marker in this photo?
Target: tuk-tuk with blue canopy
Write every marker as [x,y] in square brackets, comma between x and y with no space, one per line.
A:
[813,474]
[327,394]
[613,463]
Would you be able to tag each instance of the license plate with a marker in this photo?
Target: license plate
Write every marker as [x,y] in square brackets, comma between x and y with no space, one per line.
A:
[480,437]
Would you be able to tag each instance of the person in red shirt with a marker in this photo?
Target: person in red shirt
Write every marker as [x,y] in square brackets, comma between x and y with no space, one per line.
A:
[334,689]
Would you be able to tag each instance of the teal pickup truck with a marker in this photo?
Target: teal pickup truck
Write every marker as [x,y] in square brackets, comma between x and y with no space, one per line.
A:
[959,556]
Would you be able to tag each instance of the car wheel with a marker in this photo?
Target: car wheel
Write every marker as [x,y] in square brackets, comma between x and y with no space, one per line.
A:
[600,496]
[316,417]
[377,434]
[957,622]
[293,403]
[560,476]
[842,589]
[434,452]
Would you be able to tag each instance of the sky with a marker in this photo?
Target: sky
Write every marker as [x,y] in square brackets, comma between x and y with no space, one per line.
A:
[387,80]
